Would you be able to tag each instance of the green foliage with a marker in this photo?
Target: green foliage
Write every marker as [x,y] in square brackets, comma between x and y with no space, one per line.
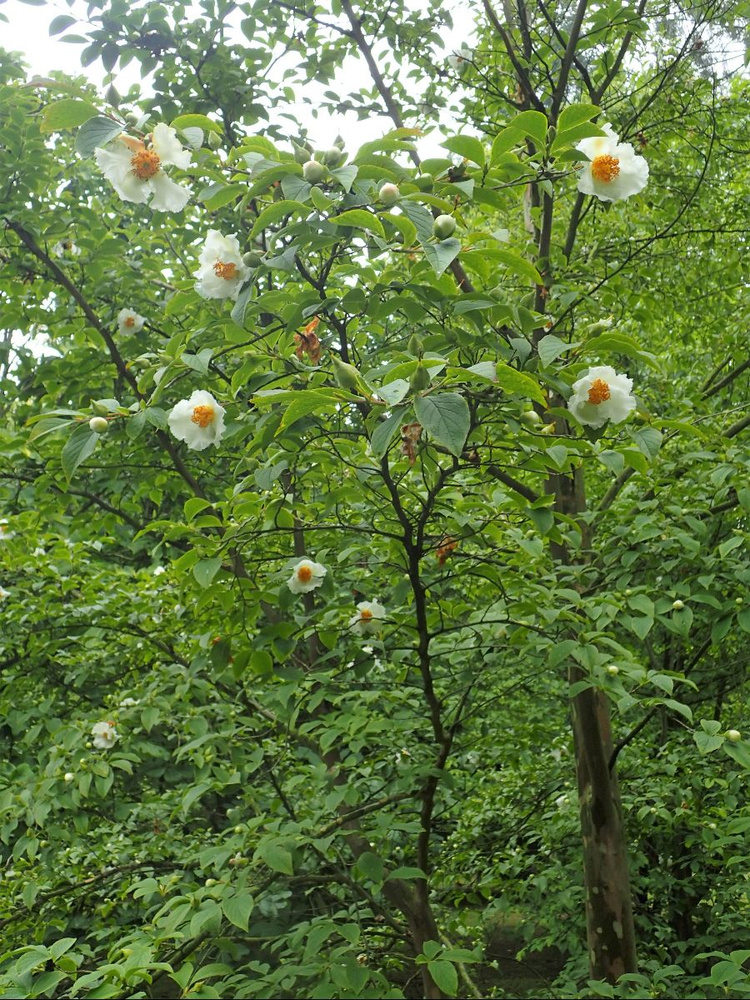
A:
[297,800]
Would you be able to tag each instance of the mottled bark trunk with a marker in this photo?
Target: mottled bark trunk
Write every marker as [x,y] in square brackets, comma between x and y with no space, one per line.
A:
[609,915]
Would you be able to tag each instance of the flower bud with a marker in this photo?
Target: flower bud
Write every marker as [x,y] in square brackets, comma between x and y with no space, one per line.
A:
[68,776]
[100,409]
[252,259]
[346,375]
[420,379]
[734,736]
[738,601]
[389,194]
[444,227]
[531,418]
[415,345]
[313,171]
[214,140]
[333,156]
[678,605]
[99,425]
[613,670]
[301,155]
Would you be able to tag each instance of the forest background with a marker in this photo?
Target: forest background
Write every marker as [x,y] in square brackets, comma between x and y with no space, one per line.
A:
[373,540]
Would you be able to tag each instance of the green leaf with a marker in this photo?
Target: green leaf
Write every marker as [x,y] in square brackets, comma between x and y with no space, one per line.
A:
[648,440]
[404,225]
[346,176]
[446,418]
[445,976]
[68,113]
[278,210]
[618,343]
[467,146]
[276,856]
[551,347]
[384,432]
[441,255]
[96,132]
[196,121]
[504,141]
[739,752]
[60,23]
[512,260]
[359,219]
[205,570]
[518,383]
[533,124]
[575,114]
[371,866]
[78,447]
[237,909]
[218,195]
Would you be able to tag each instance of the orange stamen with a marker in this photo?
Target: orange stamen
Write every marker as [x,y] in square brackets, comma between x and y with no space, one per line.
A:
[202,415]
[226,271]
[365,615]
[304,574]
[145,163]
[605,168]
[599,391]
[130,321]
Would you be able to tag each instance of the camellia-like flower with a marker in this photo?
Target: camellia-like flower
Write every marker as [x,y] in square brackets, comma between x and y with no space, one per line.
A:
[601,395]
[4,593]
[129,321]
[222,270]
[5,533]
[461,59]
[306,576]
[614,170]
[368,617]
[135,170]
[63,247]
[105,735]
[198,421]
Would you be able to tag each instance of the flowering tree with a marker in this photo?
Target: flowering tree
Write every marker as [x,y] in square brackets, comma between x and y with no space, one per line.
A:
[341,485]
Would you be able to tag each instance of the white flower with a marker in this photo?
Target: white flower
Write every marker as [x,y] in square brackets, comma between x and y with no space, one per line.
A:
[63,247]
[221,272]
[135,170]
[601,395]
[159,570]
[306,576]
[368,617]
[5,532]
[4,594]
[128,703]
[129,321]
[461,58]
[68,776]
[105,735]
[614,170]
[198,421]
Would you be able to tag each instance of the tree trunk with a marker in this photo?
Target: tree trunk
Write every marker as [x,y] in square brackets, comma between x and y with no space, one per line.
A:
[609,915]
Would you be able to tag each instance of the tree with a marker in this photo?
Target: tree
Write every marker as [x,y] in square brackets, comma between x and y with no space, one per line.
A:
[330,478]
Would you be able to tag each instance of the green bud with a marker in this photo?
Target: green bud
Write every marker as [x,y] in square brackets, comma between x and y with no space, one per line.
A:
[415,345]
[333,156]
[531,418]
[734,736]
[444,227]
[252,259]
[214,140]
[346,375]
[420,379]
[98,424]
[99,408]
[313,171]
[389,194]
[301,155]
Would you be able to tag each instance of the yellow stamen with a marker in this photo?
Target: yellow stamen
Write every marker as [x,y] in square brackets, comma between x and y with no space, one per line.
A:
[144,164]
[130,321]
[226,271]
[599,391]
[304,574]
[605,168]
[202,415]
[365,615]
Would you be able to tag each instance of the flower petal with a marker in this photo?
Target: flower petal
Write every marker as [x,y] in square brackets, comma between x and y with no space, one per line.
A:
[116,167]
[168,147]
[169,196]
